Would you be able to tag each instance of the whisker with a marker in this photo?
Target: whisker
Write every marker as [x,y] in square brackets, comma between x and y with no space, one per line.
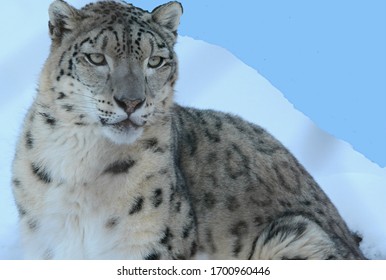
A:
[85,95]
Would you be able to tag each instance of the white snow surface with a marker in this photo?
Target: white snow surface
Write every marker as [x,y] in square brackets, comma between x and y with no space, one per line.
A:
[211,77]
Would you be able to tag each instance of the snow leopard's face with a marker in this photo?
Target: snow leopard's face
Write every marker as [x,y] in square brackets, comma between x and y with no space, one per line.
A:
[112,65]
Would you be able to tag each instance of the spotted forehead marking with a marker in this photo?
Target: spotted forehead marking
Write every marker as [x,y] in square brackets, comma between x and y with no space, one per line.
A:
[114,11]
[135,21]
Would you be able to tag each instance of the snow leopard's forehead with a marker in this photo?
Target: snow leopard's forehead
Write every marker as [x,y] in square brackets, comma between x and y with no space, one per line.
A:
[136,21]
[116,11]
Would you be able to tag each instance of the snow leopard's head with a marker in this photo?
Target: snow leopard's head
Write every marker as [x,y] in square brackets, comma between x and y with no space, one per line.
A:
[112,65]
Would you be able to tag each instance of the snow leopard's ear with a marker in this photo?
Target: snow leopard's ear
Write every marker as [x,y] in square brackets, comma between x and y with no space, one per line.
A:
[168,15]
[62,19]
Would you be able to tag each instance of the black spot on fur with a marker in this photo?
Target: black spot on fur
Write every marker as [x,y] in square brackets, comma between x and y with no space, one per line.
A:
[218,123]
[238,230]
[48,119]
[294,258]
[240,126]
[48,254]
[282,180]
[150,176]
[265,146]
[285,204]
[258,220]
[193,248]
[112,222]
[212,136]
[163,171]
[166,239]
[104,43]
[306,203]
[33,224]
[179,257]
[261,201]
[22,212]
[316,197]
[212,157]
[167,236]
[188,228]
[231,203]
[61,95]
[153,256]
[332,257]
[68,107]
[213,181]
[84,41]
[320,212]
[172,194]
[137,207]
[253,247]
[192,141]
[70,65]
[237,163]
[118,167]
[41,173]
[177,207]
[159,150]
[296,175]
[150,143]
[29,141]
[157,198]
[209,200]
[16,183]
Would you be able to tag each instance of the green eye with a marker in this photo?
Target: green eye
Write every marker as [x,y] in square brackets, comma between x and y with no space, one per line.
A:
[155,61]
[96,59]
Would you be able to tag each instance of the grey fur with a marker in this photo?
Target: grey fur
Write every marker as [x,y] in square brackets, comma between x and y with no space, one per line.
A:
[263,176]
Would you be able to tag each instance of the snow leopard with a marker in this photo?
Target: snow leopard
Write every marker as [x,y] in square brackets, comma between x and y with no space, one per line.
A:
[108,166]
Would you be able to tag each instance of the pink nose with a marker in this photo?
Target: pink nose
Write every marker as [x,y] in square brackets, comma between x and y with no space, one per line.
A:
[129,105]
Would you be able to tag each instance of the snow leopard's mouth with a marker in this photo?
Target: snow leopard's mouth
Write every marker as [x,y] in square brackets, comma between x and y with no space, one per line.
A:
[122,125]
[126,124]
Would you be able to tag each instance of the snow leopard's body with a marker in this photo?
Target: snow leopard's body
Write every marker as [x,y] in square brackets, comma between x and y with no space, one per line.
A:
[108,167]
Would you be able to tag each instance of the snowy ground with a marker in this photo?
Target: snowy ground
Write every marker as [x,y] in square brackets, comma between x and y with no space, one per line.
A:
[211,77]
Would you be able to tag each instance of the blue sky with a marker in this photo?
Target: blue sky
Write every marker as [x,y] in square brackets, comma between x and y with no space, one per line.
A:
[327,57]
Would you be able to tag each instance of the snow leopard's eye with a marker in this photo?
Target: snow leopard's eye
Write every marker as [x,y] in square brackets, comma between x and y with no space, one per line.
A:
[96,59]
[155,61]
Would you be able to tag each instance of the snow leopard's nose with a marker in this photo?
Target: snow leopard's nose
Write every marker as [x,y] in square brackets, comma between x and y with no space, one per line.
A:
[129,105]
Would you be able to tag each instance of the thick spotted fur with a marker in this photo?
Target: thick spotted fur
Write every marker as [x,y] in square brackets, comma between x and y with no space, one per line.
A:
[109,167]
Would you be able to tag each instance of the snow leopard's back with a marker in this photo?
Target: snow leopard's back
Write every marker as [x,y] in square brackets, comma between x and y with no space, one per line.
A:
[251,197]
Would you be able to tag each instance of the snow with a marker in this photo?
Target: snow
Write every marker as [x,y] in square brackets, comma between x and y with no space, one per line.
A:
[211,77]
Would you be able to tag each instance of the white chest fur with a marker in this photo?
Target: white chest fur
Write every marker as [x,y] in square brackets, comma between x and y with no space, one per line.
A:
[86,212]
[72,153]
